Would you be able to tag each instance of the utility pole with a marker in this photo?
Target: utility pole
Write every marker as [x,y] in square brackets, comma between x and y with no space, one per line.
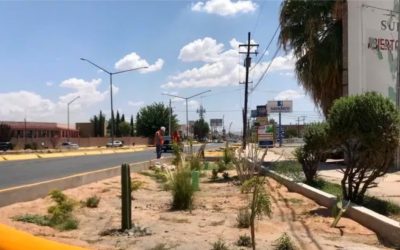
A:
[170,118]
[25,130]
[398,81]
[201,112]
[247,65]
[298,124]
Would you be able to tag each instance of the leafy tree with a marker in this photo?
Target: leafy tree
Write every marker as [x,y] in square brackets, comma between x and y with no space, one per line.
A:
[102,121]
[272,121]
[122,118]
[5,132]
[152,117]
[117,122]
[201,129]
[124,128]
[95,121]
[366,128]
[313,151]
[313,31]
[290,132]
[132,133]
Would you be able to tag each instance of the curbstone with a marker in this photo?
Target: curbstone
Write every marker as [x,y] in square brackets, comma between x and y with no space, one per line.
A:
[20,157]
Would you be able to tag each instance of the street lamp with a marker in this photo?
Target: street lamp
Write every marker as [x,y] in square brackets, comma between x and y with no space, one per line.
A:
[68,114]
[111,74]
[187,98]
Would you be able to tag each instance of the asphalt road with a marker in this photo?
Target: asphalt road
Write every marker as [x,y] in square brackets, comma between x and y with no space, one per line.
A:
[16,173]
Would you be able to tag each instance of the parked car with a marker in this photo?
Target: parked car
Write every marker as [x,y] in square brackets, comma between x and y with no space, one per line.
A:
[69,145]
[167,143]
[115,144]
[4,146]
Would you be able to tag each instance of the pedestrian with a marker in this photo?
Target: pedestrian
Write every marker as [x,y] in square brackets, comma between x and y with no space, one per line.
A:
[176,138]
[159,141]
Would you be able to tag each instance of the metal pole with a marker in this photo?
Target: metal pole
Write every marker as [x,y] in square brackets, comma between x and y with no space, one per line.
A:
[187,119]
[398,79]
[68,122]
[25,130]
[170,117]
[112,113]
[280,131]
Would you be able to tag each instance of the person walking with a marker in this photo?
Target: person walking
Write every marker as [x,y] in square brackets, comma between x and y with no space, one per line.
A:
[159,141]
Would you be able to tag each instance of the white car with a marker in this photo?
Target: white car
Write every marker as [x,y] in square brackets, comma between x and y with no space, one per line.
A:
[69,145]
[115,144]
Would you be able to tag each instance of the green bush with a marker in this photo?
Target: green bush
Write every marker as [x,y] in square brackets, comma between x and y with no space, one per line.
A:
[366,128]
[314,149]
[136,185]
[180,185]
[219,245]
[28,146]
[92,201]
[214,174]
[243,218]
[244,241]
[195,163]
[70,224]
[40,220]
[285,243]
[290,169]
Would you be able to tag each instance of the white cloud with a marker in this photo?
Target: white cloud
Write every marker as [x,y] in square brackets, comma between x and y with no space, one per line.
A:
[221,66]
[38,108]
[225,7]
[290,74]
[100,71]
[133,60]
[289,95]
[136,104]
[49,83]
[192,104]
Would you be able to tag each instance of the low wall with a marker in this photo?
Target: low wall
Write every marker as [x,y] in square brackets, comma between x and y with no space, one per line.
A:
[82,142]
[40,190]
[386,228]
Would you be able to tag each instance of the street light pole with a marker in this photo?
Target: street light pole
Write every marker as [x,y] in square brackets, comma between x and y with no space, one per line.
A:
[186,99]
[111,92]
[68,114]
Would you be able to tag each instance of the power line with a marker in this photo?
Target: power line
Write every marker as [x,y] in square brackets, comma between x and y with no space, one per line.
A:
[265,72]
[265,51]
[258,18]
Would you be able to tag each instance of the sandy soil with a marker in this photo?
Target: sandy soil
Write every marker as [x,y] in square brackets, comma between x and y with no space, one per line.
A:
[216,208]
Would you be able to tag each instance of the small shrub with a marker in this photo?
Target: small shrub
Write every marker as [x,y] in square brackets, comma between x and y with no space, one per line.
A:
[203,174]
[68,225]
[159,246]
[195,163]
[34,146]
[92,201]
[214,174]
[136,185]
[180,185]
[285,243]
[219,245]
[243,218]
[37,219]
[244,241]
[225,175]
[28,146]
[290,169]
[221,166]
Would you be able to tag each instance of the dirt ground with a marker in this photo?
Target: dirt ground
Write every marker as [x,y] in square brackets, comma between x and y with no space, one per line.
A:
[214,217]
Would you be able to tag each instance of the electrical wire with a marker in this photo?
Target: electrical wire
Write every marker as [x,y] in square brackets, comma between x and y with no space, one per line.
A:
[258,18]
[265,51]
[266,70]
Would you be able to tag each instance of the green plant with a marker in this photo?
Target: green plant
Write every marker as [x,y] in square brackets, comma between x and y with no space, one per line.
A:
[40,220]
[366,128]
[338,210]
[136,185]
[247,163]
[219,245]
[62,211]
[180,185]
[285,243]
[68,225]
[290,169]
[260,203]
[34,146]
[214,175]
[314,149]
[28,146]
[159,246]
[243,218]
[126,197]
[195,162]
[92,201]
[244,241]
[225,175]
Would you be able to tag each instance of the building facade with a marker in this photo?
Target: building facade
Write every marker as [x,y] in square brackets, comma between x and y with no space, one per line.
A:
[41,130]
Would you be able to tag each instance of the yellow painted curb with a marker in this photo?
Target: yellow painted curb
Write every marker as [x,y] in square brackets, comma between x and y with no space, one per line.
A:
[17,240]
[74,153]
[53,155]
[93,152]
[20,157]
[1,158]
[107,152]
[128,150]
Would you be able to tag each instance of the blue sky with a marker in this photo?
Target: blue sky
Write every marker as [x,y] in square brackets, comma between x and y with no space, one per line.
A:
[189,47]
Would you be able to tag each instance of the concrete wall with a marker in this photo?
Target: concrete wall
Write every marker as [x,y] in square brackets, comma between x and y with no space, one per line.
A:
[82,142]
[41,190]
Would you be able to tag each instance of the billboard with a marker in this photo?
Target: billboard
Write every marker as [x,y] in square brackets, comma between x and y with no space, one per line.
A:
[262,120]
[253,113]
[280,106]
[216,122]
[372,47]
[262,111]
[266,129]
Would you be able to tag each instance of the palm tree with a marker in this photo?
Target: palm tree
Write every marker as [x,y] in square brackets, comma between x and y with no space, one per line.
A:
[312,30]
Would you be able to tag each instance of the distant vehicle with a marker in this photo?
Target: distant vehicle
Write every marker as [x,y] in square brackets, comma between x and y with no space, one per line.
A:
[115,144]
[220,141]
[69,145]
[167,143]
[4,146]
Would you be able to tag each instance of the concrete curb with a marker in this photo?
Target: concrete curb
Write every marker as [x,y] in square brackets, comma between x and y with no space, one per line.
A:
[40,190]
[386,228]
[34,156]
